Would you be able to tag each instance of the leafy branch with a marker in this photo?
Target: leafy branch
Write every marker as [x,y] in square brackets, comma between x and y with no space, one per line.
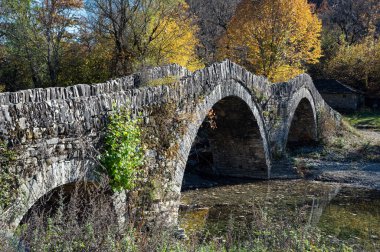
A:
[123,154]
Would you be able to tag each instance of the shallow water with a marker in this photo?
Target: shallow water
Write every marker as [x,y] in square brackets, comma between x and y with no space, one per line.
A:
[342,213]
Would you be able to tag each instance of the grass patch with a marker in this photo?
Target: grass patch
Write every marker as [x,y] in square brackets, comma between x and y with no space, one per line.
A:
[366,119]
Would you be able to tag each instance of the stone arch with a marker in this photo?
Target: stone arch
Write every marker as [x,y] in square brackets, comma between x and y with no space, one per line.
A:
[56,175]
[49,203]
[227,89]
[301,124]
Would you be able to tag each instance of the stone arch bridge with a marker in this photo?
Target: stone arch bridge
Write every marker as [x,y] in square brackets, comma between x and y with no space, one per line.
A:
[57,131]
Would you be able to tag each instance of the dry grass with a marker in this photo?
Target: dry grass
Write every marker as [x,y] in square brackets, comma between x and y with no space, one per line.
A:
[86,221]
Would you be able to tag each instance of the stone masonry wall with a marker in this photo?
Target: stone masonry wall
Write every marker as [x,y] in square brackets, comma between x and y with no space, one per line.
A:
[57,131]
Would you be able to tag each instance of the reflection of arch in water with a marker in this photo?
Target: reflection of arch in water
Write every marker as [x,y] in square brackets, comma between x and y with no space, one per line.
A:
[319,205]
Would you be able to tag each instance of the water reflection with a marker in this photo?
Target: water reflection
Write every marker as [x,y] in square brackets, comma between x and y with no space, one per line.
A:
[343,213]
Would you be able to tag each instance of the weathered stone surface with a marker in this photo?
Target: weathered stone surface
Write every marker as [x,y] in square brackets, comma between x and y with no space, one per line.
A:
[58,130]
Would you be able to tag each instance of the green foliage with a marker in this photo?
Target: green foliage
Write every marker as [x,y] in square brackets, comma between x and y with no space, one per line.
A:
[123,155]
[86,63]
[365,120]
[8,180]
[34,35]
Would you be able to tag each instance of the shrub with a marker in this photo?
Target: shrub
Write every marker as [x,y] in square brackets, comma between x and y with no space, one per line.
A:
[123,153]
[357,64]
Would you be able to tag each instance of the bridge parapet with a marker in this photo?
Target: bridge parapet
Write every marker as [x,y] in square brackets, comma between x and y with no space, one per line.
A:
[88,90]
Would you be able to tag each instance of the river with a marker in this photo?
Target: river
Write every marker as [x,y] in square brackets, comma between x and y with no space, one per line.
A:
[341,212]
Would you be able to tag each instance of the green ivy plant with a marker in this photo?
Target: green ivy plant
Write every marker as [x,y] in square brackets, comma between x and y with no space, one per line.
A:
[123,154]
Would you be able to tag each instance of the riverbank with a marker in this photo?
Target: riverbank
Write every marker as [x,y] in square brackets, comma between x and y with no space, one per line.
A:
[338,191]
[354,159]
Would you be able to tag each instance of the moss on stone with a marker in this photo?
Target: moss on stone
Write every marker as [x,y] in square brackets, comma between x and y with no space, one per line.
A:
[168,80]
[9,181]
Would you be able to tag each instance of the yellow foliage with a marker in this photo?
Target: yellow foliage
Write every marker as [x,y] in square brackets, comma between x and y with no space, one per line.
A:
[176,42]
[359,63]
[274,38]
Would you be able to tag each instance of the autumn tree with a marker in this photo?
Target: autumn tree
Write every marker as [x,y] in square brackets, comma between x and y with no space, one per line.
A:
[57,43]
[34,33]
[87,59]
[146,32]
[274,38]
[21,40]
[346,24]
[56,18]
[213,17]
[354,18]
[357,65]
[175,42]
